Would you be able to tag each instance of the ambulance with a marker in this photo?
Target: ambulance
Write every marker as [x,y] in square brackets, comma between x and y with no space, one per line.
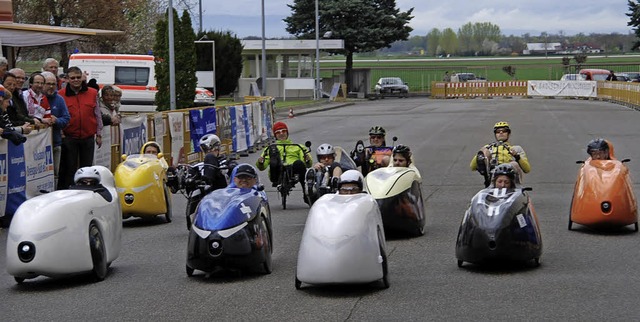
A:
[134,74]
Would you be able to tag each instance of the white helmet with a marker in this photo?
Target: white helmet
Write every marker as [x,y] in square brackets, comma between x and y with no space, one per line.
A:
[90,173]
[324,149]
[351,176]
[208,142]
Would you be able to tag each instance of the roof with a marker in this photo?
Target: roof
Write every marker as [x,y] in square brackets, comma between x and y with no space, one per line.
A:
[290,46]
[25,35]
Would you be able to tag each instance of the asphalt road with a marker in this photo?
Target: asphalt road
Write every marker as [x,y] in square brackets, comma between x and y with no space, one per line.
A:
[585,275]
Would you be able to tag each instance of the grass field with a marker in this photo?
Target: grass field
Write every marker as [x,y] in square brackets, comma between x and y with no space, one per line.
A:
[420,72]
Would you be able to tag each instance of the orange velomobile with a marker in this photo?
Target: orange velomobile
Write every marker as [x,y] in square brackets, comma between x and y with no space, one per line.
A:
[603,195]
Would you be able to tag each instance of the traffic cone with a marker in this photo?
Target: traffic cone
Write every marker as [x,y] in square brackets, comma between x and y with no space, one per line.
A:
[291,113]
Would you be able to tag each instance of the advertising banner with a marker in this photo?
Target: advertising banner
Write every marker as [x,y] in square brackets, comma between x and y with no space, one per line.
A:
[238,134]
[4,175]
[102,155]
[158,129]
[176,128]
[133,133]
[17,178]
[201,122]
[563,88]
[38,159]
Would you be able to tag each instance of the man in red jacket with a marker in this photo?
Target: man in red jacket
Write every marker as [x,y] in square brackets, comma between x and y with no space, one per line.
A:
[84,128]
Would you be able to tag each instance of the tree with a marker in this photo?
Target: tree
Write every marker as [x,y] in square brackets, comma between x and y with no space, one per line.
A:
[185,62]
[465,39]
[433,41]
[228,59]
[364,25]
[449,41]
[634,21]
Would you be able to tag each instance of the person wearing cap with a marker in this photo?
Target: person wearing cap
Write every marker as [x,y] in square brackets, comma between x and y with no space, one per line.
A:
[5,121]
[499,152]
[292,154]
[245,177]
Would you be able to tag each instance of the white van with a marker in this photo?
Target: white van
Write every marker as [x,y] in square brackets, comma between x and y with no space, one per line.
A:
[134,74]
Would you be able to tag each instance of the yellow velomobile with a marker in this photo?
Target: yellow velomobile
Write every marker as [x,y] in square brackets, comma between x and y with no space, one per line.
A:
[141,182]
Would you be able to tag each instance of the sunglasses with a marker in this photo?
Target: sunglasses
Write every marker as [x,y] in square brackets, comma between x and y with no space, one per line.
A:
[325,156]
[75,78]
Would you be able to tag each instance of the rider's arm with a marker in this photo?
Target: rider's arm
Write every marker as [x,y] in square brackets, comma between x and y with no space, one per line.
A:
[265,159]
[521,158]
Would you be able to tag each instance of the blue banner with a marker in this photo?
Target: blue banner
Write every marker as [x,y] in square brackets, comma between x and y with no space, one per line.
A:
[201,122]
[17,178]
[234,128]
[246,110]
[266,120]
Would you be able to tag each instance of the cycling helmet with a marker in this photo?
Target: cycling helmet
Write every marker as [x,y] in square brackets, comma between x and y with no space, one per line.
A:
[209,142]
[404,150]
[505,169]
[87,173]
[351,176]
[501,125]
[597,145]
[324,149]
[377,130]
[280,126]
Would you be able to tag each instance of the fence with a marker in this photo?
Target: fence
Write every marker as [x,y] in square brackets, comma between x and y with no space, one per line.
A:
[27,169]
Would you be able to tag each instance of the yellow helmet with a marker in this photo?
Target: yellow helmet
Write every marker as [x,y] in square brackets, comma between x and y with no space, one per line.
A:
[500,125]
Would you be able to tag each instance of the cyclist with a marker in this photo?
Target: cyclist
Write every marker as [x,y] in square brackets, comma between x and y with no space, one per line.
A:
[377,155]
[285,153]
[499,152]
[214,161]
[598,149]
[245,176]
[401,156]
[87,176]
[504,176]
[324,174]
[351,182]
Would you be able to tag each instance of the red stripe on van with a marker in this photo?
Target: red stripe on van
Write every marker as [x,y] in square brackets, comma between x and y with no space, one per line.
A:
[111,57]
[137,88]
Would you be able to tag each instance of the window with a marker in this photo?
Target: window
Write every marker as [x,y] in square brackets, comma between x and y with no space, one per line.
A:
[132,76]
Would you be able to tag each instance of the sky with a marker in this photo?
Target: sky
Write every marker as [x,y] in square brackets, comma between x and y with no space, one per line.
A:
[514,17]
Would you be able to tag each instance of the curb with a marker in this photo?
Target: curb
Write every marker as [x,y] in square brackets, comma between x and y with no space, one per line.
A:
[311,109]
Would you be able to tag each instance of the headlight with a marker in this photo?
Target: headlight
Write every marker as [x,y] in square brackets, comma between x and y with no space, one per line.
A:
[605,206]
[26,251]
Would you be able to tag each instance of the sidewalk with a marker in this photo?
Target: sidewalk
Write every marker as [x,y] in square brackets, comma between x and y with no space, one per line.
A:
[282,113]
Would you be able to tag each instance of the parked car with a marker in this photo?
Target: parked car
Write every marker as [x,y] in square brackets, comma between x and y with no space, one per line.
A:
[463,77]
[573,77]
[388,86]
[204,97]
[634,76]
[592,74]
[622,77]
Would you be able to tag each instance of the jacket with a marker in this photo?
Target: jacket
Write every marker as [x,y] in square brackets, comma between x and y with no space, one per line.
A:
[288,153]
[501,151]
[84,110]
[59,110]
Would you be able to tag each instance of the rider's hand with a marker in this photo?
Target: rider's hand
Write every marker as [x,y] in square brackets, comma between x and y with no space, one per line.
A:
[318,166]
[260,160]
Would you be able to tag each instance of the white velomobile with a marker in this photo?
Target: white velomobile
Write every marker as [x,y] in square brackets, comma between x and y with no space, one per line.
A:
[343,242]
[67,232]
[399,195]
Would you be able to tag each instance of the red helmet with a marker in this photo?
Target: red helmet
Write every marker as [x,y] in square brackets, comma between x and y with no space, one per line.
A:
[280,126]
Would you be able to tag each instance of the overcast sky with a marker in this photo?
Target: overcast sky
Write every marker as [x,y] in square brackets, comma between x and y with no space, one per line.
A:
[514,17]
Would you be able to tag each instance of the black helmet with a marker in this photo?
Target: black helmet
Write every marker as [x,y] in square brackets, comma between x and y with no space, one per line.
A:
[505,169]
[377,130]
[597,145]
[402,149]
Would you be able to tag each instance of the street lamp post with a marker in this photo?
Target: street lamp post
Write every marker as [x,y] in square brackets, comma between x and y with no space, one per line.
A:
[318,89]
[263,65]
[213,54]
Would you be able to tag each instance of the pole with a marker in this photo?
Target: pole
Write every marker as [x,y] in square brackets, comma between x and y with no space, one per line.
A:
[263,67]
[200,22]
[172,67]
[318,89]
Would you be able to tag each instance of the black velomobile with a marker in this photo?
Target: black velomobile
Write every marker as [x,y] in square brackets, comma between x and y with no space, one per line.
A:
[500,225]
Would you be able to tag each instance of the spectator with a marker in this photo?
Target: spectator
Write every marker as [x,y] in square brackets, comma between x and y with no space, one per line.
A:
[612,76]
[93,83]
[109,105]
[4,65]
[37,105]
[447,77]
[52,65]
[5,121]
[85,126]
[63,80]
[59,117]
[17,109]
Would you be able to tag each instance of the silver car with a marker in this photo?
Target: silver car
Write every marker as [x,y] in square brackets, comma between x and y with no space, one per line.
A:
[390,86]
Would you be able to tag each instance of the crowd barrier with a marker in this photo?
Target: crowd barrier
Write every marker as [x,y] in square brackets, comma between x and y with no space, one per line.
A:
[26,170]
